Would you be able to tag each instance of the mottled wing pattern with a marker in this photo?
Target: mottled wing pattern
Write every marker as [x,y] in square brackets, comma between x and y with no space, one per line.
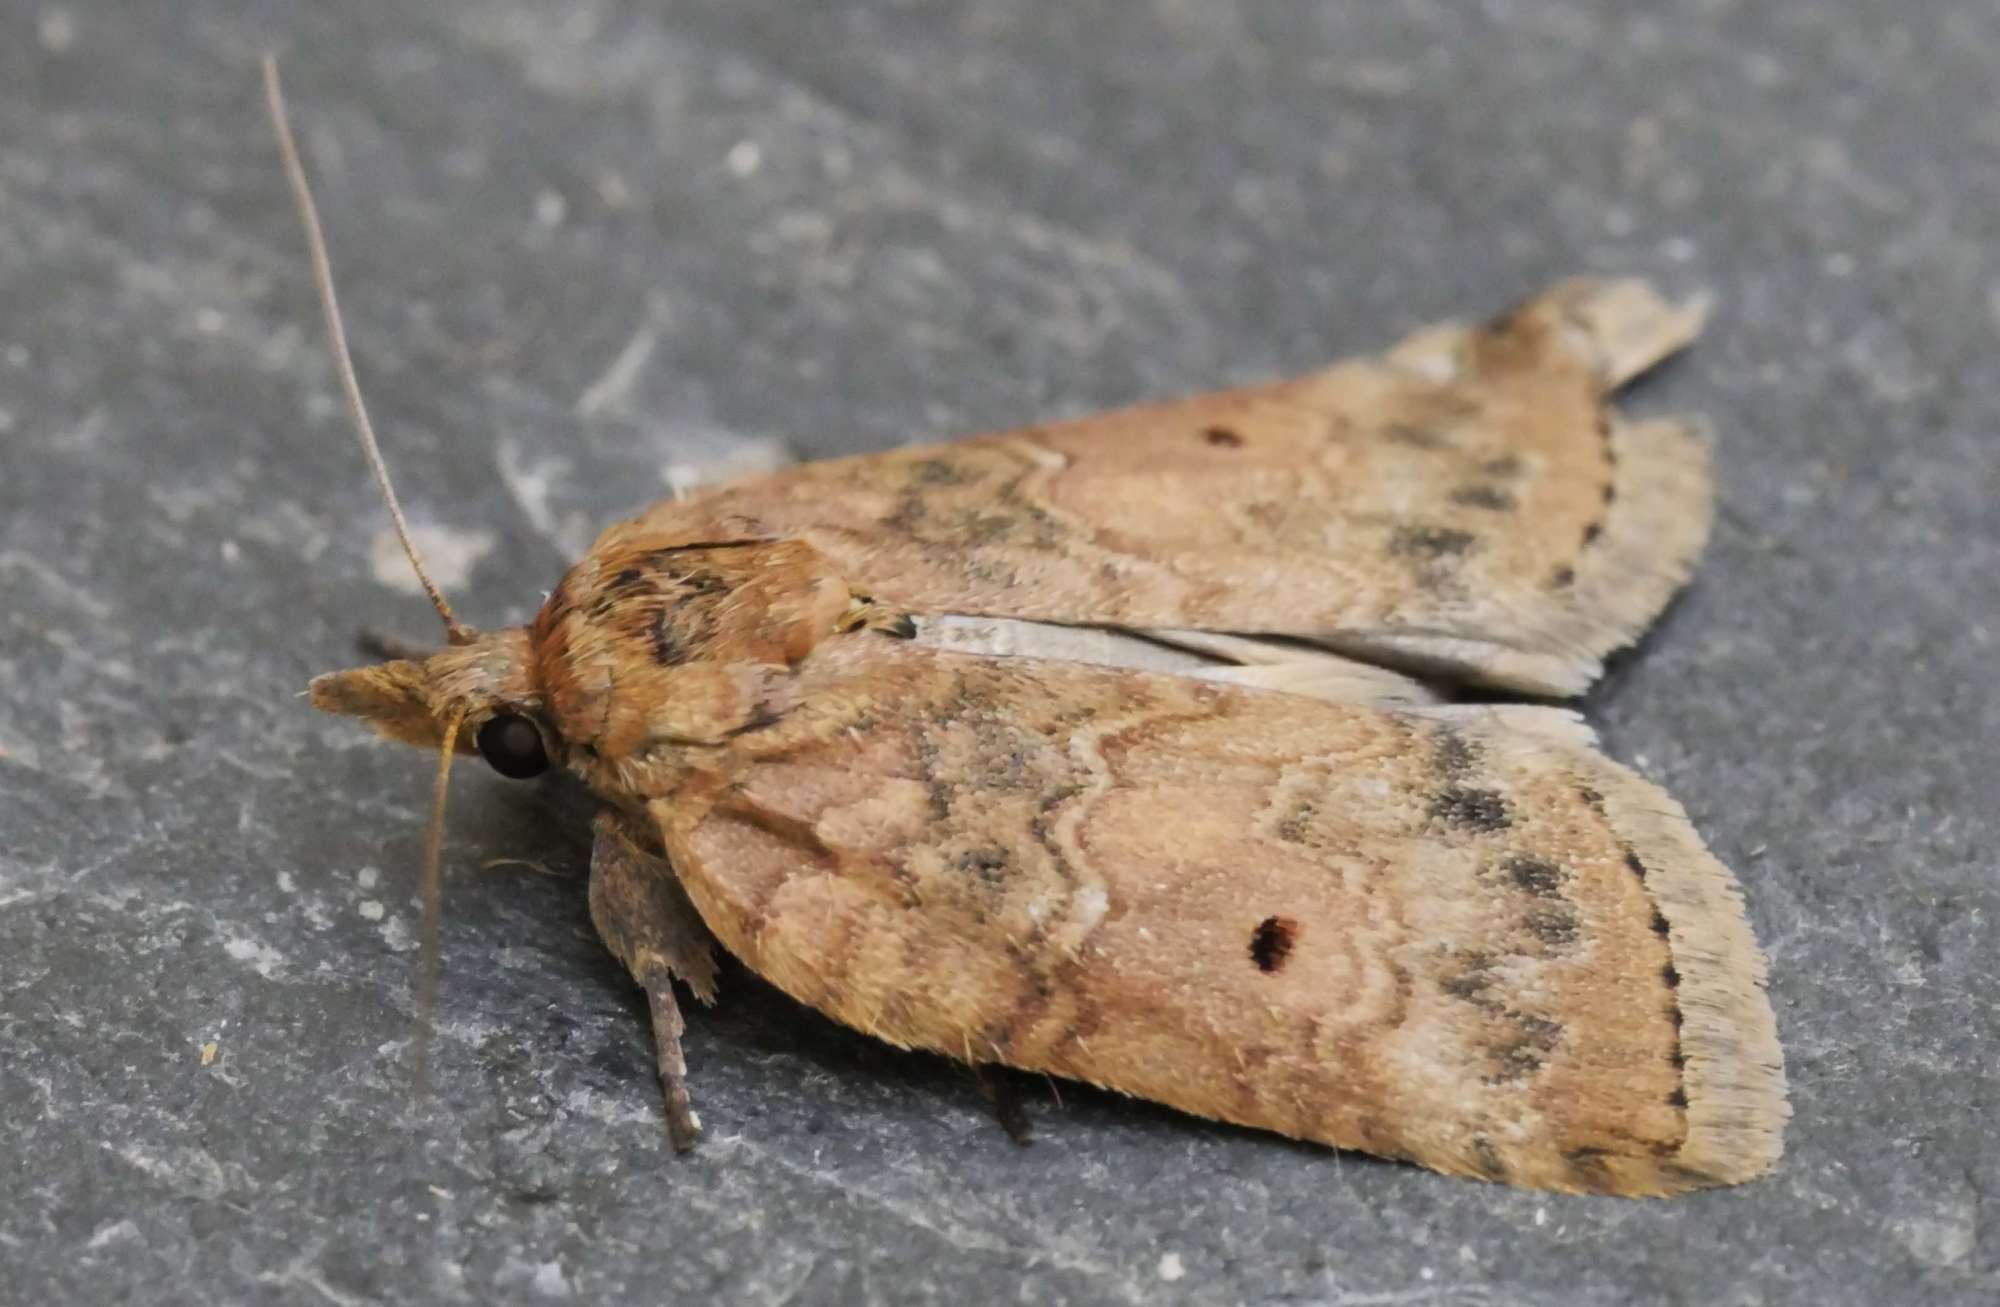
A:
[1466,505]
[1455,936]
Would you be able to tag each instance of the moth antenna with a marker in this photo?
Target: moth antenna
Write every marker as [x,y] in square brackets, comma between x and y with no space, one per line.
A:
[350,385]
[432,895]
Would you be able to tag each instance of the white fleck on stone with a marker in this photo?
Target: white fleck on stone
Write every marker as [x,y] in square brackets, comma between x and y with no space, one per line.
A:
[371,910]
[450,555]
[745,158]
[396,935]
[367,878]
[263,959]
[115,1232]
[57,30]
[611,188]
[551,208]
[1541,1216]
[1171,1268]
[747,456]
[1763,70]
[1943,1238]
[209,321]
[550,1282]
[231,551]
[18,356]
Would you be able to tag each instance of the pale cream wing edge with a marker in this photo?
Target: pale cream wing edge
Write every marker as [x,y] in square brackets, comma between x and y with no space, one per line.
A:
[1656,530]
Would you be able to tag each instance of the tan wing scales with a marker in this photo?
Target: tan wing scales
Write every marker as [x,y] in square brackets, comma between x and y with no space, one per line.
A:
[1466,505]
[1428,934]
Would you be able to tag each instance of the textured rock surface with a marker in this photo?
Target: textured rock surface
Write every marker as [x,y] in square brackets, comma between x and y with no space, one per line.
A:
[588,247]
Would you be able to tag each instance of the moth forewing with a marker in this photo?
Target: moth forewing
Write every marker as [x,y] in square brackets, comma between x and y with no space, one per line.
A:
[1428,935]
[1469,506]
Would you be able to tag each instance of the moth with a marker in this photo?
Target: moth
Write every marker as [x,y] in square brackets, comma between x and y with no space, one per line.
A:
[1135,750]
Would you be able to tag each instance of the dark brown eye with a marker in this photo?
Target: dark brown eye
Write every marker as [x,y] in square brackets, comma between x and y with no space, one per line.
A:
[512,746]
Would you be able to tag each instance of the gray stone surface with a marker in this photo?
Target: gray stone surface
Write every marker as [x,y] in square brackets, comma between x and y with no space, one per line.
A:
[819,228]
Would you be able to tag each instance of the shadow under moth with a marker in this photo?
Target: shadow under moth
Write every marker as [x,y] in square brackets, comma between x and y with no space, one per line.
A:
[1122,750]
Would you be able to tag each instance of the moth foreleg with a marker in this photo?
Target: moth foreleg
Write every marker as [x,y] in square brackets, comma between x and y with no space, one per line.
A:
[1003,1097]
[382,644]
[644,917]
[682,1124]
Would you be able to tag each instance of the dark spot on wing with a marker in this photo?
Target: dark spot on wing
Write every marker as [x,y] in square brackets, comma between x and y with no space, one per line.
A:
[1534,876]
[1271,943]
[1473,981]
[1638,867]
[1415,437]
[1527,1046]
[1471,809]
[1555,926]
[1222,438]
[988,863]
[1492,498]
[939,472]
[1293,826]
[1562,578]
[1455,754]
[1430,542]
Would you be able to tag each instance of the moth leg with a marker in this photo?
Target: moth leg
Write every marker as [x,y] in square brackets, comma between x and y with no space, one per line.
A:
[682,1124]
[380,644]
[644,918]
[1003,1096]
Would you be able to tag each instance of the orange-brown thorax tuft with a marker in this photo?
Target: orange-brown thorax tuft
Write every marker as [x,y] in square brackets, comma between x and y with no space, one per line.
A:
[651,639]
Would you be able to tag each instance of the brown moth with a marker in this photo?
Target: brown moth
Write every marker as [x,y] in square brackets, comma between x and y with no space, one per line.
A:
[1056,749]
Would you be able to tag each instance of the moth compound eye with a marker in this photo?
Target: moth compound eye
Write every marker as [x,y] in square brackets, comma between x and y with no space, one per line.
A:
[512,746]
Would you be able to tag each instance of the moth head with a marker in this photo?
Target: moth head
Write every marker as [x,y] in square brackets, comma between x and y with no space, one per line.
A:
[485,685]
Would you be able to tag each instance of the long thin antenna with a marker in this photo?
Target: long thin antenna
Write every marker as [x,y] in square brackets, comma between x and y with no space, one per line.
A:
[350,385]
[433,897]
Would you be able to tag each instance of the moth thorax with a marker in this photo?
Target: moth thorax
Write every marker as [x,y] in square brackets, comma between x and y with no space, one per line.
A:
[649,637]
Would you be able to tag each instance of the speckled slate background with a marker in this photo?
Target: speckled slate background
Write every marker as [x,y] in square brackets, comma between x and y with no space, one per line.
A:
[590,247]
